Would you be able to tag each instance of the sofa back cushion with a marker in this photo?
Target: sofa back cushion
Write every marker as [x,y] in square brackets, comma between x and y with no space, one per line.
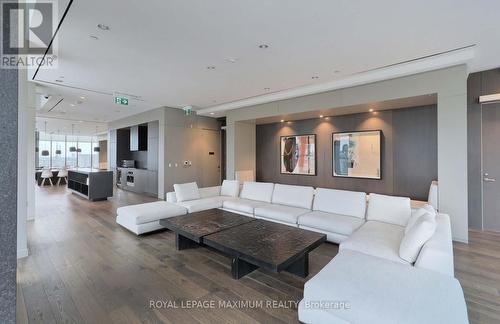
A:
[389,209]
[437,253]
[261,191]
[416,237]
[186,191]
[208,192]
[295,196]
[343,202]
[230,188]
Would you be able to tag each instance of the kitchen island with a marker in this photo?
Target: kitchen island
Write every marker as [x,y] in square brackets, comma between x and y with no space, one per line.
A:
[93,184]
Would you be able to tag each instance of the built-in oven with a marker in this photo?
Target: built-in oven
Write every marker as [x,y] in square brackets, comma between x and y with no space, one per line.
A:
[118,177]
[130,178]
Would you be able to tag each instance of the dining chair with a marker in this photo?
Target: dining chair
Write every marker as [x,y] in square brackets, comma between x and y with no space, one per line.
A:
[46,174]
[62,174]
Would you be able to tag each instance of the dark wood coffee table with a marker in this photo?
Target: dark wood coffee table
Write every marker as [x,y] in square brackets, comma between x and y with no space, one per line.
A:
[250,242]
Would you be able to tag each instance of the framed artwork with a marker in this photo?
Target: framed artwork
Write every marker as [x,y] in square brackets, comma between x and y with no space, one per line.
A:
[298,154]
[357,154]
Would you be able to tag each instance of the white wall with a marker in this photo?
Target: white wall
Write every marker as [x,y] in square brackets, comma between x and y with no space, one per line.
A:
[26,161]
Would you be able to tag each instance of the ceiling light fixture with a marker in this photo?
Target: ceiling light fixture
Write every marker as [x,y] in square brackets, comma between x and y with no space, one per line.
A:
[72,105]
[320,116]
[211,67]
[212,113]
[232,60]
[282,121]
[267,89]
[82,97]
[370,110]
[263,46]
[103,27]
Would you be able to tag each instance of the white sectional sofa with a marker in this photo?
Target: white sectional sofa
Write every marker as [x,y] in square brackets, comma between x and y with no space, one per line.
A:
[395,264]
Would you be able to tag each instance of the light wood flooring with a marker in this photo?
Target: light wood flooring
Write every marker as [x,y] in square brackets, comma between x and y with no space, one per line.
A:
[84,268]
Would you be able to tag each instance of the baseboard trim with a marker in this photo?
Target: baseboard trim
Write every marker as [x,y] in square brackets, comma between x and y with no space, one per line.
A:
[22,253]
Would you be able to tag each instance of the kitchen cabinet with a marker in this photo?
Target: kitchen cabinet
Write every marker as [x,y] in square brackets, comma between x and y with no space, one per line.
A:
[138,138]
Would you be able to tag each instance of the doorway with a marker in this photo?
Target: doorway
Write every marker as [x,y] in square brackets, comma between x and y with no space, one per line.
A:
[491,166]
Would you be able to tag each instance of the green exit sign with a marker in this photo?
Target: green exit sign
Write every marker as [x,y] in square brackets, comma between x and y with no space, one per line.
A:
[121,101]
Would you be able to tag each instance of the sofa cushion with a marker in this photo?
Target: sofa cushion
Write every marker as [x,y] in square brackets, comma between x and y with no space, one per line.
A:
[378,291]
[202,204]
[437,253]
[415,238]
[242,205]
[230,188]
[209,192]
[378,239]
[295,196]
[186,191]
[280,213]
[417,213]
[261,191]
[149,212]
[343,202]
[389,209]
[334,223]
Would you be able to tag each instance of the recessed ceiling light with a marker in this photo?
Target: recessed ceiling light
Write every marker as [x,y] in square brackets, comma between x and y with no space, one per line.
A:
[58,80]
[282,120]
[103,27]
[263,46]
[94,37]
[212,113]
[315,77]
[82,97]
[370,110]
[320,116]
[211,67]
[72,105]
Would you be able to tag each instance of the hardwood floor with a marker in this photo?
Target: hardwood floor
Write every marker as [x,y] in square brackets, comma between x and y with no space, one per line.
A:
[84,268]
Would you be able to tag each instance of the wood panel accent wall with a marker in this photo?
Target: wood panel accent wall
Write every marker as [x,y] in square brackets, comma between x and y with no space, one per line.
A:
[409,151]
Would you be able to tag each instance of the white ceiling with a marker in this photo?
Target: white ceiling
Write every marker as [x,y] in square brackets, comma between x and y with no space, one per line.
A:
[160,50]
[65,126]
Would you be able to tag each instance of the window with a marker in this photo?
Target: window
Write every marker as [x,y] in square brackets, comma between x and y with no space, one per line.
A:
[70,156]
[58,146]
[95,155]
[44,161]
[85,156]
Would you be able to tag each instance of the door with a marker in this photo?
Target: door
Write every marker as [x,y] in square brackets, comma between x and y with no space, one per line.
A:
[211,150]
[491,166]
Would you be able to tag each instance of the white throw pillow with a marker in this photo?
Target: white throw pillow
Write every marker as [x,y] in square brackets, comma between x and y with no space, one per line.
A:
[417,236]
[230,188]
[416,214]
[186,191]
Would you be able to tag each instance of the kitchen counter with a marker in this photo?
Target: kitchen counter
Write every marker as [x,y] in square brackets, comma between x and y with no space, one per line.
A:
[93,184]
[141,181]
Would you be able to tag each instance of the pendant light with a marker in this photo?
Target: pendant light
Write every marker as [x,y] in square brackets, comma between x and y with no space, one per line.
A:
[45,152]
[58,150]
[72,148]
